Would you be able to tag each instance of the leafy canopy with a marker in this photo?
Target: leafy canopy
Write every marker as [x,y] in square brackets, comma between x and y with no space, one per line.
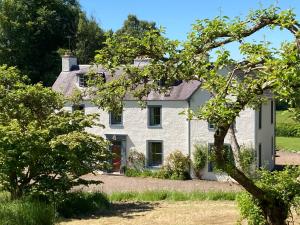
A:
[44,149]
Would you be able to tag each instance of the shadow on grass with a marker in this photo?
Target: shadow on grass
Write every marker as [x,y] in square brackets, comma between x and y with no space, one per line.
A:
[126,210]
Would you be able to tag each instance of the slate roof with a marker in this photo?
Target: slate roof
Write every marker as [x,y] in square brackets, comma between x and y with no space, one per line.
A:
[66,83]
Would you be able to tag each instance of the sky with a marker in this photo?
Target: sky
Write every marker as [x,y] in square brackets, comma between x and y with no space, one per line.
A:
[177,16]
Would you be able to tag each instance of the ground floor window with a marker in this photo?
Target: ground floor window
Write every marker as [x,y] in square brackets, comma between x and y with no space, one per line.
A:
[228,155]
[155,153]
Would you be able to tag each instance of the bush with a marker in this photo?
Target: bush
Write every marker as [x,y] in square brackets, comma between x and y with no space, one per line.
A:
[177,165]
[288,130]
[129,172]
[249,209]
[247,161]
[199,158]
[77,204]
[136,160]
[22,212]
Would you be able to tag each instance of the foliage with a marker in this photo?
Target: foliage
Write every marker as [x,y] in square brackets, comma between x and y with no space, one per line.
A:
[136,160]
[77,204]
[249,209]
[32,30]
[288,130]
[43,149]
[134,27]
[177,166]
[232,84]
[21,212]
[89,38]
[283,185]
[165,195]
[199,157]
[247,161]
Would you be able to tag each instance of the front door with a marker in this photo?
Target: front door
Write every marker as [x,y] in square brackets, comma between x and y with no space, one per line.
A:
[116,149]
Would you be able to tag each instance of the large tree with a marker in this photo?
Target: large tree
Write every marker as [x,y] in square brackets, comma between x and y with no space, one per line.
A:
[43,149]
[135,27]
[89,38]
[242,83]
[31,31]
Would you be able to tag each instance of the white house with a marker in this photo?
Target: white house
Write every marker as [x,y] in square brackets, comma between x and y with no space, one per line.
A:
[158,129]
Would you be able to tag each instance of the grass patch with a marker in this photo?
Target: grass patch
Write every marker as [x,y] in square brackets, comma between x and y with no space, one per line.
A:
[23,212]
[172,196]
[291,144]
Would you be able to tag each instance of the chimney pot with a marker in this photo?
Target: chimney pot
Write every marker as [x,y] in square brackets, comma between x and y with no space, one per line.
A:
[68,62]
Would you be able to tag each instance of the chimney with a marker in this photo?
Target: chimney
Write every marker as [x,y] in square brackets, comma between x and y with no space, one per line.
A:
[69,63]
[141,61]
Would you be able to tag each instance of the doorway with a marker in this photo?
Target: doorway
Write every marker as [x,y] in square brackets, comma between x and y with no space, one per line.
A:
[116,149]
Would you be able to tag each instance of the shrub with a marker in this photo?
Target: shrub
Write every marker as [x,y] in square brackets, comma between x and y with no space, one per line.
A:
[129,172]
[199,158]
[247,161]
[77,204]
[177,165]
[22,212]
[136,160]
[288,130]
[249,209]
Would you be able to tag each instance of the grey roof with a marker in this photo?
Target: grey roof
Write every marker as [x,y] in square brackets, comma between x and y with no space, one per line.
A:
[66,83]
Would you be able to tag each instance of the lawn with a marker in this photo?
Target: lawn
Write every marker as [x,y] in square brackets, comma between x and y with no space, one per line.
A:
[291,144]
[167,213]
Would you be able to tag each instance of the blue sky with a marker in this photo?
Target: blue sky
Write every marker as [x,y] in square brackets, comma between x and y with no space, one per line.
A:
[176,16]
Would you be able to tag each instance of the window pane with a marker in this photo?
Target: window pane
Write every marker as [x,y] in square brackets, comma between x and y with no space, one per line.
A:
[82,80]
[78,107]
[155,153]
[115,118]
[154,116]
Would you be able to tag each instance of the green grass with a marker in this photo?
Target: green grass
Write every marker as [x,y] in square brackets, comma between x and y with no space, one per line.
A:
[291,144]
[172,196]
[284,117]
[23,212]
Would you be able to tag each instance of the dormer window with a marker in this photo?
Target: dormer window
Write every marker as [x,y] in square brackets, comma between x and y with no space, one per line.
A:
[82,80]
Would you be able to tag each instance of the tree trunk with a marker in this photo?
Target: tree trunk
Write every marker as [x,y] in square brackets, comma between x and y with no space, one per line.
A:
[234,146]
[275,211]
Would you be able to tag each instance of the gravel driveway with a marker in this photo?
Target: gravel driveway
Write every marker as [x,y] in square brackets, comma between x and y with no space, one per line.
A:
[119,183]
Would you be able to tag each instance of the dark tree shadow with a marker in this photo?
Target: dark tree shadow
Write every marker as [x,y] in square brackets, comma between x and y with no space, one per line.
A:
[126,210]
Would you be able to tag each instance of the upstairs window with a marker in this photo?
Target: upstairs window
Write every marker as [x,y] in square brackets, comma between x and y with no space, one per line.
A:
[260,117]
[115,118]
[82,80]
[154,116]
[272,112]
[211,126]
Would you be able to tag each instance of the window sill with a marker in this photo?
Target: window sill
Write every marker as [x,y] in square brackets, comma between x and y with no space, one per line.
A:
[155,127]
[116,126]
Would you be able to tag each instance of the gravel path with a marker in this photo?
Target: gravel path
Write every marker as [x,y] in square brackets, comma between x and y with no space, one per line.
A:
[119,183]
[287,158]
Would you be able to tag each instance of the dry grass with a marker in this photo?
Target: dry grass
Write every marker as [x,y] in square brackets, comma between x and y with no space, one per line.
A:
[167,213]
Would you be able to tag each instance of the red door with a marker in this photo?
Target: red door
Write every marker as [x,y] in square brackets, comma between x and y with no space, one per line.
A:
[116,150]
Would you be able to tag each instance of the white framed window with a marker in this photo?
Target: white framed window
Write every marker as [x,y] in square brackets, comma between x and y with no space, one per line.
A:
[154,153]
[154,116]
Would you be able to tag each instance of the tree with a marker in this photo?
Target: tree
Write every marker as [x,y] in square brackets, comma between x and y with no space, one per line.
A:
[134,27]
[31,31]
[89,38]
[43,149]
[241,84]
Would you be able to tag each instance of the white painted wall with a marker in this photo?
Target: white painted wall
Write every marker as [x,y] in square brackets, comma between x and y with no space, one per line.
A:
[173,133]
[201,134]
[265,134]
